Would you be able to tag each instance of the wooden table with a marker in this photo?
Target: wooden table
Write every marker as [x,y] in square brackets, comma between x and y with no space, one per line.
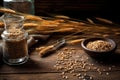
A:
[38,68]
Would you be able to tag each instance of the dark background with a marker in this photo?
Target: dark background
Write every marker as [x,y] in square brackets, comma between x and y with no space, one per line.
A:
[80,9]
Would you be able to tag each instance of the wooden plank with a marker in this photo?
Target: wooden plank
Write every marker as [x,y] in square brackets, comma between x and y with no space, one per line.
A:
[57,76]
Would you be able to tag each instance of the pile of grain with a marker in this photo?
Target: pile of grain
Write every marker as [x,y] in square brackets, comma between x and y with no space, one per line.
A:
[99,45]
[68,61]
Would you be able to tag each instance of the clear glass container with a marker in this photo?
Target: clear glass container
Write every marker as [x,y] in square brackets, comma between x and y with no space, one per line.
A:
[15,48]
[24,6]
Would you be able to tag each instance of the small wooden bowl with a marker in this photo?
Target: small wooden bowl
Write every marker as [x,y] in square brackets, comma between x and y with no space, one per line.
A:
[95,53]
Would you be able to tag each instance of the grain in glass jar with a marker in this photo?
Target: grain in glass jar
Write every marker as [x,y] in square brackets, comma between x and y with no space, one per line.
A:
[15,49]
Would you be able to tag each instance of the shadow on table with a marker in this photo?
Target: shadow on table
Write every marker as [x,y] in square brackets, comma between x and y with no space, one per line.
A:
[112,59]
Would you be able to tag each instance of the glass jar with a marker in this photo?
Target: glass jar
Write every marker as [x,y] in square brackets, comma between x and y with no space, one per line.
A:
[15,48]
[24,6]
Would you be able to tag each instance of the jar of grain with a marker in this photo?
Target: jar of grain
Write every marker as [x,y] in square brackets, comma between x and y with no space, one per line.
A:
[24,6]
[15,49]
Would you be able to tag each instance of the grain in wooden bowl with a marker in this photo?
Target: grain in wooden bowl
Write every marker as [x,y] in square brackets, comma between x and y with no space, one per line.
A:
[99,47]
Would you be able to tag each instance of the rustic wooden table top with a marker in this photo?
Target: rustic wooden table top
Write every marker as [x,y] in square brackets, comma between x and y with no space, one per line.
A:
[38,68]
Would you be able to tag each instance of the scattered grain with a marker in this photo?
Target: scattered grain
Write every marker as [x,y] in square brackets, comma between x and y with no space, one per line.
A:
[110,68]
[79,77]
[104,69]
[107,73]
[91,78]
[63,73]
[68,62]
